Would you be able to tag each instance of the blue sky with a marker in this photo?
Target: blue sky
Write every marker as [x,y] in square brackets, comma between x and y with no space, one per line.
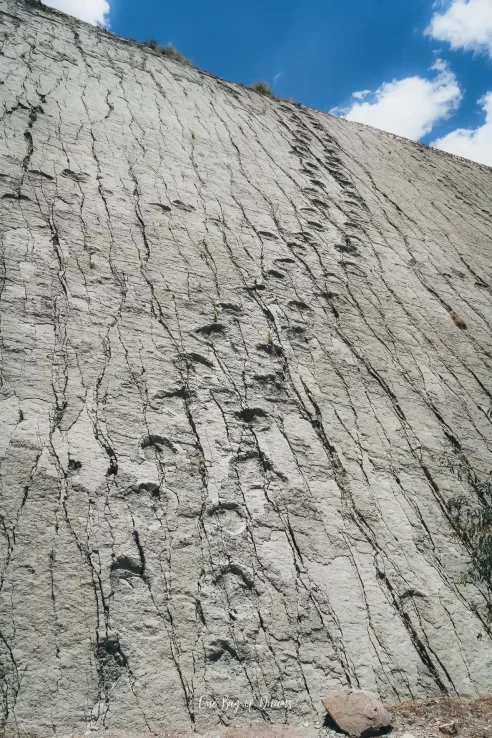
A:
[419,68]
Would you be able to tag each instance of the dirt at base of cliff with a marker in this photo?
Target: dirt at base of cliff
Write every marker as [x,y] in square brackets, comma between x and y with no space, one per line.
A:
[422,719]
[429,718]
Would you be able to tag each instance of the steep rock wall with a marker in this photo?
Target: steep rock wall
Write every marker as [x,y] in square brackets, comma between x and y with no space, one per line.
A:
[230,374]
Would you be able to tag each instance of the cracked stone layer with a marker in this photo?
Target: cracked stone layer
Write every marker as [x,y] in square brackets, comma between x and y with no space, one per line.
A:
[230,366]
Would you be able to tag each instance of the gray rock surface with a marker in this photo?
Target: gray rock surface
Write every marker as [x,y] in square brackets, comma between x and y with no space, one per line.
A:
[228,364]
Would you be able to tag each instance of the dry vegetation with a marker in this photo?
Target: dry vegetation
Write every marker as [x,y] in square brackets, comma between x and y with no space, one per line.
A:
[457,320]
[169,51]
[422,719]
[263,88]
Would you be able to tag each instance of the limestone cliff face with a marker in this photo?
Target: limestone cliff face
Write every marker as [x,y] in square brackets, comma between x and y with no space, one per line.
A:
[230,375]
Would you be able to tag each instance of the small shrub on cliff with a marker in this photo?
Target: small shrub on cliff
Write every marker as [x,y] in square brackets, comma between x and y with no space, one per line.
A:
[173,54]
[169,51]
[474,518]
[458,320]
[263,88]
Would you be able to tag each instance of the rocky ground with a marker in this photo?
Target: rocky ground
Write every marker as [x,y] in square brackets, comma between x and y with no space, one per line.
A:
[470,718]
[419,719]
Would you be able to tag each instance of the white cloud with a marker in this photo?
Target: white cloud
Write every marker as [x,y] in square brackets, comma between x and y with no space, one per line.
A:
[472,143]
[409,107]
[92,11]
[360,94]
[466,24]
